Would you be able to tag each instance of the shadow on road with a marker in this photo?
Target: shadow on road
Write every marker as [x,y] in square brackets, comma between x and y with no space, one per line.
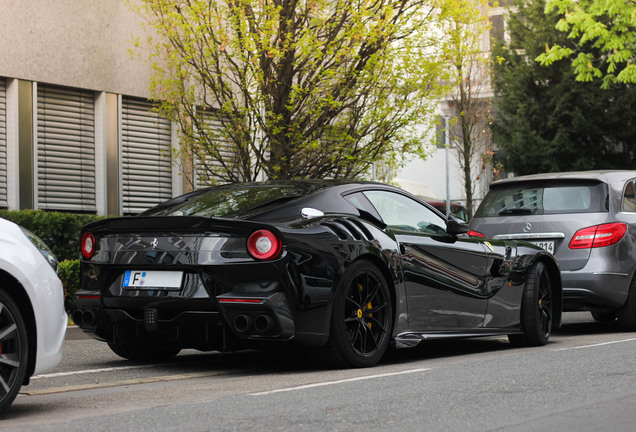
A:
[295,360]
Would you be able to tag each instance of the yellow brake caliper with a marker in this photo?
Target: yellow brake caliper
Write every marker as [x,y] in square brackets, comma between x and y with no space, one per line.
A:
[367,307]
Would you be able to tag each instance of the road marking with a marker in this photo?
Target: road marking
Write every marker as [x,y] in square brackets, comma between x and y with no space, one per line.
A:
[149,380]
[328,383]
[595,345]
[89,371]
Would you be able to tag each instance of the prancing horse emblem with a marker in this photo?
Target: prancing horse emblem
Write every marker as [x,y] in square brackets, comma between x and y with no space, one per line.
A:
[154,243]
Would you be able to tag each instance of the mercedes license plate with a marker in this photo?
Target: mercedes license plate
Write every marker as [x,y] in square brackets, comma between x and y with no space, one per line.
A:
[545,244]
[144,279]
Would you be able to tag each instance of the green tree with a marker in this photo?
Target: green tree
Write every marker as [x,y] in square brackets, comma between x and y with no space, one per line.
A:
[295,88]
[547,121]
[604,36]
[464,24]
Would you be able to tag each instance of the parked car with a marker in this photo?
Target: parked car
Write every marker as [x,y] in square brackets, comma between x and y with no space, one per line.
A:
[587,220]
[346,267]
[32,316]
[455,208]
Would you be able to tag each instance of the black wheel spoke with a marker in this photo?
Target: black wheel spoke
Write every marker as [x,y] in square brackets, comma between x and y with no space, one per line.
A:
[360,287]
[363,338]
[352,302]
[376,324]
[370,336]
[372,294]
[377,308]
[357,335]
[546,316]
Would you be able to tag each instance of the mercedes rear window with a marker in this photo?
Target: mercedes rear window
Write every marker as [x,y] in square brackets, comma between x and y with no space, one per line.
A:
[544,198]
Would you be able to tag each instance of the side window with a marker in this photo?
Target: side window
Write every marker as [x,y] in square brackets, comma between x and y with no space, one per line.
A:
[629,197]
[359,201]
[403,213]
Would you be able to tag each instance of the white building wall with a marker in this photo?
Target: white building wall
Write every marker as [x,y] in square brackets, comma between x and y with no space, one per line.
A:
[75,43]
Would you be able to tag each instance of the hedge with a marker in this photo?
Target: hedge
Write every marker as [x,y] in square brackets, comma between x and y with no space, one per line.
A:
[68,272]
[61,232]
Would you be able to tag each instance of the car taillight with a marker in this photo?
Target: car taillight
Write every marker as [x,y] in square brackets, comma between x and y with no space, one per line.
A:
[87,245]
[263,245]
[472,233]
[598,236]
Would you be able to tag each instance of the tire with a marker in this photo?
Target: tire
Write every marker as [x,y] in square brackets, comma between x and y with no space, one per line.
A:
[627,313]
[361,318]
[142,353]
[14,350]
[536,309]
[603,316]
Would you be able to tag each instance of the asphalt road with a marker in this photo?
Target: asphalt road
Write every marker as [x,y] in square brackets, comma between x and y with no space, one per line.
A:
[583,380]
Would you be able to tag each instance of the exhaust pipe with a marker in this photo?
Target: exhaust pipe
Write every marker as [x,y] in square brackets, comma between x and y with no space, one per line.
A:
[84,318]
[242,323]
[263,323]
[77,317]
[88,318]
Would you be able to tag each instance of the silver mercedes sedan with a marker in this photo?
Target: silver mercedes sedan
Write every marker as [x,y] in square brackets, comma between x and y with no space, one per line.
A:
[587,220]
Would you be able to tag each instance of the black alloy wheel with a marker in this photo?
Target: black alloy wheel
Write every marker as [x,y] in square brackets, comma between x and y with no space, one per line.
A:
[627,313]
[361,319]
[13,350]
[536,308]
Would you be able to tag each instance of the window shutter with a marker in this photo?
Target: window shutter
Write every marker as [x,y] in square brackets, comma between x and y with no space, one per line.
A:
[146,162]
[65,149]
[202,177]
[3,142]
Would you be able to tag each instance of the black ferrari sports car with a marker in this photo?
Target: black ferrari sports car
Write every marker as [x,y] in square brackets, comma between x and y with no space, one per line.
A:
[345,267]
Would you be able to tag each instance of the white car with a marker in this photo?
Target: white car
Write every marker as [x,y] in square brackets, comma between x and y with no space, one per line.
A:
[32,316]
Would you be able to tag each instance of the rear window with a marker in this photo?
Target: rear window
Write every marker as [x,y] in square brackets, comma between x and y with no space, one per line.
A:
[230,202]
[544,198]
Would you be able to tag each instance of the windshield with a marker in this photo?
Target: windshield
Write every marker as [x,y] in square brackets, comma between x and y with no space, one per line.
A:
[544,198]
[230,201]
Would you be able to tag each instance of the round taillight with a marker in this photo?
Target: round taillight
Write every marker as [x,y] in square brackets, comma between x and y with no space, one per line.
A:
[263,245]
[87,245]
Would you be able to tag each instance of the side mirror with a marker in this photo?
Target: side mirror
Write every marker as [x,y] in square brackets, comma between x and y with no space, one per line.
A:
[455,225]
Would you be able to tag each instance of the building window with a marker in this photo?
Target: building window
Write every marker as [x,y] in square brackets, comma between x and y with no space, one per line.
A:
[497,28]
[65,150]
[145,156]
[207,168]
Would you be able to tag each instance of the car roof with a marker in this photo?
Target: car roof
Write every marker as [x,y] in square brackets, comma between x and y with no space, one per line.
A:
[606,176]
[325,195]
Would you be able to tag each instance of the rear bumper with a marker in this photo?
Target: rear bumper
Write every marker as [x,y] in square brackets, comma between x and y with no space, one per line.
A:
[590,290]
[203,324]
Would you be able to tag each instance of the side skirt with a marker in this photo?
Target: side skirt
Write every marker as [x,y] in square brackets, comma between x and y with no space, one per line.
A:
[410,339]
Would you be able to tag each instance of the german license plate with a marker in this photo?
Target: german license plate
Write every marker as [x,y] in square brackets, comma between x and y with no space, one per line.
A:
[547,245]
[144,279]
